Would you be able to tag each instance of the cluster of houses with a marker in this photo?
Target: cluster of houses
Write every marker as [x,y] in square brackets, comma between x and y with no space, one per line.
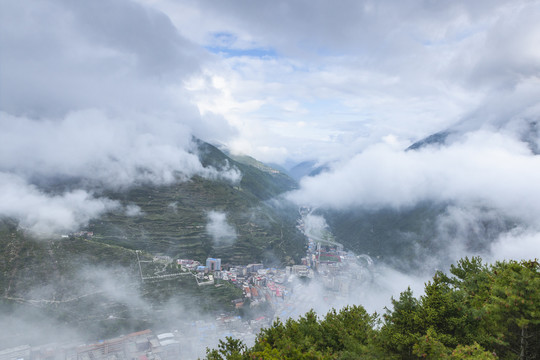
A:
[83,234]
[336,269]
[259,284]
[142,345]
[188,342]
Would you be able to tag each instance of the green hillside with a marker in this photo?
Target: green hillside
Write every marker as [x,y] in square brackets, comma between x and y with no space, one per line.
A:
[90,286]
[90,290]
[258,179]
[173,218]
[404,236]
[46,283]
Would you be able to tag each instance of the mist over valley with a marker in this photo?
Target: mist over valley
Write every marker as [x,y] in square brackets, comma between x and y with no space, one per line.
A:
[176,173]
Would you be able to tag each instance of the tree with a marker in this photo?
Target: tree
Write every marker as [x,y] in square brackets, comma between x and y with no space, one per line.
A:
[402,326]
[514,308]
[347,334]
[477,312]
[473,352]
[230,349]
[429,347]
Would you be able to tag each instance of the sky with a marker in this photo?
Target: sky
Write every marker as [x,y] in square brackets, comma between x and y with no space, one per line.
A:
[102,89]
[278,81]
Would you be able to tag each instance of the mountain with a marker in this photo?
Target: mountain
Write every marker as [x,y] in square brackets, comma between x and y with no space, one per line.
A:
[89,284]
[82,290]
[411,238]
[526,130]
[307,168]
[172,219]
[434,139]
[258,179]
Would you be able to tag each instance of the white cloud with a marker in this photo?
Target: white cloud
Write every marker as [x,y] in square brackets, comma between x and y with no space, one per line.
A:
[114,151]
[111,92]
[488,176]
[47,214]
[125,89]
[519,244]
[133,210]
[485,167]
[219,229]
[362,70]
[98,97]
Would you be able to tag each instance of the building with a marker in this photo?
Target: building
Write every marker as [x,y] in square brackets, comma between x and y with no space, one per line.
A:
[213,264]
[184,261]
[163,259]
[19,353]
[253,268]
[300,270]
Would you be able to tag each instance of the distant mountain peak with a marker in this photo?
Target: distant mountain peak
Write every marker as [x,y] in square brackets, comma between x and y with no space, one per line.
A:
[438,138]
[525,130]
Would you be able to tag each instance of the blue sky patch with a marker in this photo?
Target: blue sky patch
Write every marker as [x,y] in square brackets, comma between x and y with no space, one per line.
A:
[223,44]
[232,52]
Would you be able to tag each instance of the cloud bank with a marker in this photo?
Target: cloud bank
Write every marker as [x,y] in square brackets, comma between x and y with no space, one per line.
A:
[45,214]
[484,167]
[484,174]
[94,97]
[114,96]
[320,81]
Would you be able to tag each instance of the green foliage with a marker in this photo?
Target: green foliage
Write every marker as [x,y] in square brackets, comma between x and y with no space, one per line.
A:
[473,351]
[430,347]
[513,308]
[387,232]
[476,312]
[173,221]
[231,349]
[400,233]
[346,334]
[402,325]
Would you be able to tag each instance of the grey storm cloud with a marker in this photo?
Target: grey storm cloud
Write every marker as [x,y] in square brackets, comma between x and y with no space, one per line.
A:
[143,33]
[58,56]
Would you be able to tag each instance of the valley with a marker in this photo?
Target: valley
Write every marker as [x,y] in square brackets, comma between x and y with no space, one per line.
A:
[258,294]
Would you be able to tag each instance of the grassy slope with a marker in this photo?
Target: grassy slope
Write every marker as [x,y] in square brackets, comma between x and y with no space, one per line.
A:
[405,236]
[174,217]
[103,270]
[89,289]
